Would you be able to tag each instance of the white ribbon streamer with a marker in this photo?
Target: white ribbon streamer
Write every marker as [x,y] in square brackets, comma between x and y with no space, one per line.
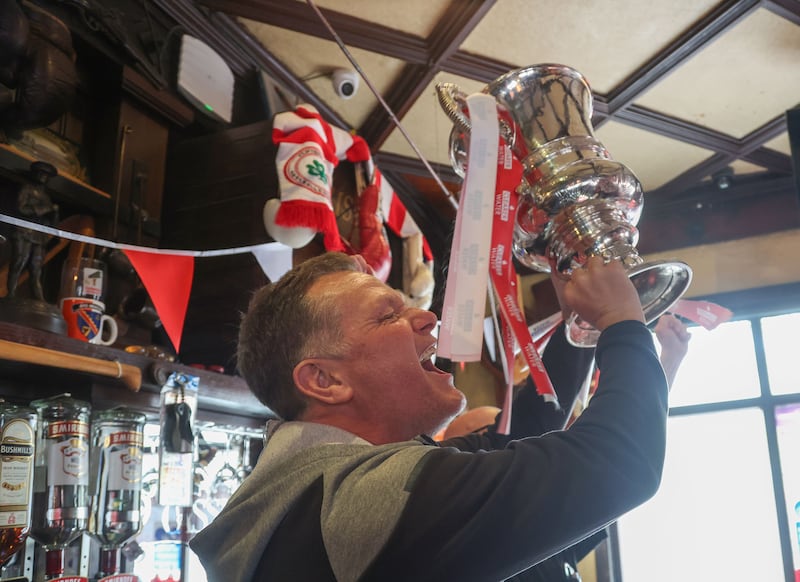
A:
[464,305]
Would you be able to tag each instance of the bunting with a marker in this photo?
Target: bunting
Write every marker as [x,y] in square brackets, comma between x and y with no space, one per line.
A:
[168,281]
[167,274]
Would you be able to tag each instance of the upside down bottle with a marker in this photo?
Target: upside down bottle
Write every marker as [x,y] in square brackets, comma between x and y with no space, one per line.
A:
[17,448]
[116,467]
[61,478]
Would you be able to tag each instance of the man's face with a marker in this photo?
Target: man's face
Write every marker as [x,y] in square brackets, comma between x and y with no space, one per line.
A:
[387,363]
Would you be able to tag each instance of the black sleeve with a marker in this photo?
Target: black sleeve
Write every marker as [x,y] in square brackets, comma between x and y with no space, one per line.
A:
[568,367]
[488,515]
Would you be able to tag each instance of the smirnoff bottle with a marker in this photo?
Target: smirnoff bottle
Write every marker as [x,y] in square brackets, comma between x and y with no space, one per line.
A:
[17,448]
[61,477]
[116,467]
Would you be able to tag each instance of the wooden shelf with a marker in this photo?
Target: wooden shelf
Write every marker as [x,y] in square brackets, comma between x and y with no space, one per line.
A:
[66,186]
[222,398]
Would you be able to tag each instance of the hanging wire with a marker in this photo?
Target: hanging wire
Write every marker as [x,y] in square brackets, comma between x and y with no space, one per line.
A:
[383,103]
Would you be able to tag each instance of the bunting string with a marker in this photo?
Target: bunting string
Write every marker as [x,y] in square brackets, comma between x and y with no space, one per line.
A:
[127,247]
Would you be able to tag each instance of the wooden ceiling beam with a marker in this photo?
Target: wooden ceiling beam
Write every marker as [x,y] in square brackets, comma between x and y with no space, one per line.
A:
[199,23]
[770,159]
[709,139]
[458,21]
[475,66]
[788,9]
[354,32]
[679,129]
[690,178]
[276,70]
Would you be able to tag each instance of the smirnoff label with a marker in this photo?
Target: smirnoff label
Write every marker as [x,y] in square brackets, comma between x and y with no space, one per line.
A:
[125,460]
[67,453]
[16,473]
[67,428]
[70,579]
[123,437]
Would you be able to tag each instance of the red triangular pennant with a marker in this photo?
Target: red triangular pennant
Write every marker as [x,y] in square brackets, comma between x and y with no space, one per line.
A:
[168,280]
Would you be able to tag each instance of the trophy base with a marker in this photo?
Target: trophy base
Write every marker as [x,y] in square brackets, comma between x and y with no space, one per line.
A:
[32,313]
[659,284]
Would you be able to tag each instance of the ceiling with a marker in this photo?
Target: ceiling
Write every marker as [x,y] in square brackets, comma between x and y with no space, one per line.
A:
[691,95]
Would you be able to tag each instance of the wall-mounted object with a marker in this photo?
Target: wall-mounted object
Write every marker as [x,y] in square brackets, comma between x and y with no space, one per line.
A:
[205,79]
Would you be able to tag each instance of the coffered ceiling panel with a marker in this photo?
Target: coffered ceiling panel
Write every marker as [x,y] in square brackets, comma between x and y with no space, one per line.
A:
[738,82]
[780,144]
[427,124]
[605,41]
[643,152]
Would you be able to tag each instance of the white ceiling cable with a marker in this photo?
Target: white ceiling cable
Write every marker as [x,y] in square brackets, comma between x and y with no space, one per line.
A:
[383,103]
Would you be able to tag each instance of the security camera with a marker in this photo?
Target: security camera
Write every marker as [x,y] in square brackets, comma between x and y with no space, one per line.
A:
[345,83]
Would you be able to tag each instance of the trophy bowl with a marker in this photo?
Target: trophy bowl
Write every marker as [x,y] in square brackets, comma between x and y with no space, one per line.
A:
[576,201]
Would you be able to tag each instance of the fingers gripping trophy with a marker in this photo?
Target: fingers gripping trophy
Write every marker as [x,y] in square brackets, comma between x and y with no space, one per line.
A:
[576,202]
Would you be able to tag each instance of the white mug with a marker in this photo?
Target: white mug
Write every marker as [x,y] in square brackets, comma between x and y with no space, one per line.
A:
[87,321]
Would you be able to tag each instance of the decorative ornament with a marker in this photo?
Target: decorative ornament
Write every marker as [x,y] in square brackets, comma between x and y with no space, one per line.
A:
[296,237]
[309,149]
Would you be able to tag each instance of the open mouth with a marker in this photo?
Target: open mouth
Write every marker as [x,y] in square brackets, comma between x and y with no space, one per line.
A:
[426,360]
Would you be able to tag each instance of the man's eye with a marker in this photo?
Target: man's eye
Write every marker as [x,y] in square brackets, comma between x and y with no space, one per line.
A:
[390,316]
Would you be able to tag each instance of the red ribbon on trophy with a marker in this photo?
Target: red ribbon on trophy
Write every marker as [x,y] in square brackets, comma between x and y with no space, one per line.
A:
[503,276]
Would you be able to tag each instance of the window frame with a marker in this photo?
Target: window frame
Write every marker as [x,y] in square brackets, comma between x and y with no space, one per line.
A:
[752,305]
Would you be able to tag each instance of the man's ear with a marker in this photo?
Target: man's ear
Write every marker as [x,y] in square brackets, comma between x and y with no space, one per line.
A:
[318,379]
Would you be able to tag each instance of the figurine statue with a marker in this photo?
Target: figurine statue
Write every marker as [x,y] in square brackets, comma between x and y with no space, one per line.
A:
[34,205]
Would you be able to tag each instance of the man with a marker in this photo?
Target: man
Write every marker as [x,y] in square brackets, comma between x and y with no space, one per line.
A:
[345,489]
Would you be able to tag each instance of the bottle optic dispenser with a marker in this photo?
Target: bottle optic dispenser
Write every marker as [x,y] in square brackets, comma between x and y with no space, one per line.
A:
[61,478]
[17,448]
[116,468]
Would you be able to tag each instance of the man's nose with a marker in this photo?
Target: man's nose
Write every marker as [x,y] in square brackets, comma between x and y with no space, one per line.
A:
[422,320]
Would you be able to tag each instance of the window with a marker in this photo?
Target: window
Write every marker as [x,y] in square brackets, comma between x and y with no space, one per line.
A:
[729,504]
[720,366]
[780,347]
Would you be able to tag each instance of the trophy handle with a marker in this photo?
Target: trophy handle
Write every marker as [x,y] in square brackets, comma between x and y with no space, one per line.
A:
[453,100]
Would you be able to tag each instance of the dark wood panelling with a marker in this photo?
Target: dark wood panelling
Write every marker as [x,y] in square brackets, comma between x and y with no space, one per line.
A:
[216,187]
[709,215]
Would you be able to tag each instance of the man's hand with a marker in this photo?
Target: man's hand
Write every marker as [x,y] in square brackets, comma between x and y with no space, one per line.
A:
[602,294]
[674,339]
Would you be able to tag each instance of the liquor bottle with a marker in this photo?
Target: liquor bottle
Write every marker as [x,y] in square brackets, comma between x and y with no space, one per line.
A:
[17,449]
[116,468]
[61,477]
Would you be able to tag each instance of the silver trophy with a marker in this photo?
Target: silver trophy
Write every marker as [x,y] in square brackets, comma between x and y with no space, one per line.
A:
[576,202]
